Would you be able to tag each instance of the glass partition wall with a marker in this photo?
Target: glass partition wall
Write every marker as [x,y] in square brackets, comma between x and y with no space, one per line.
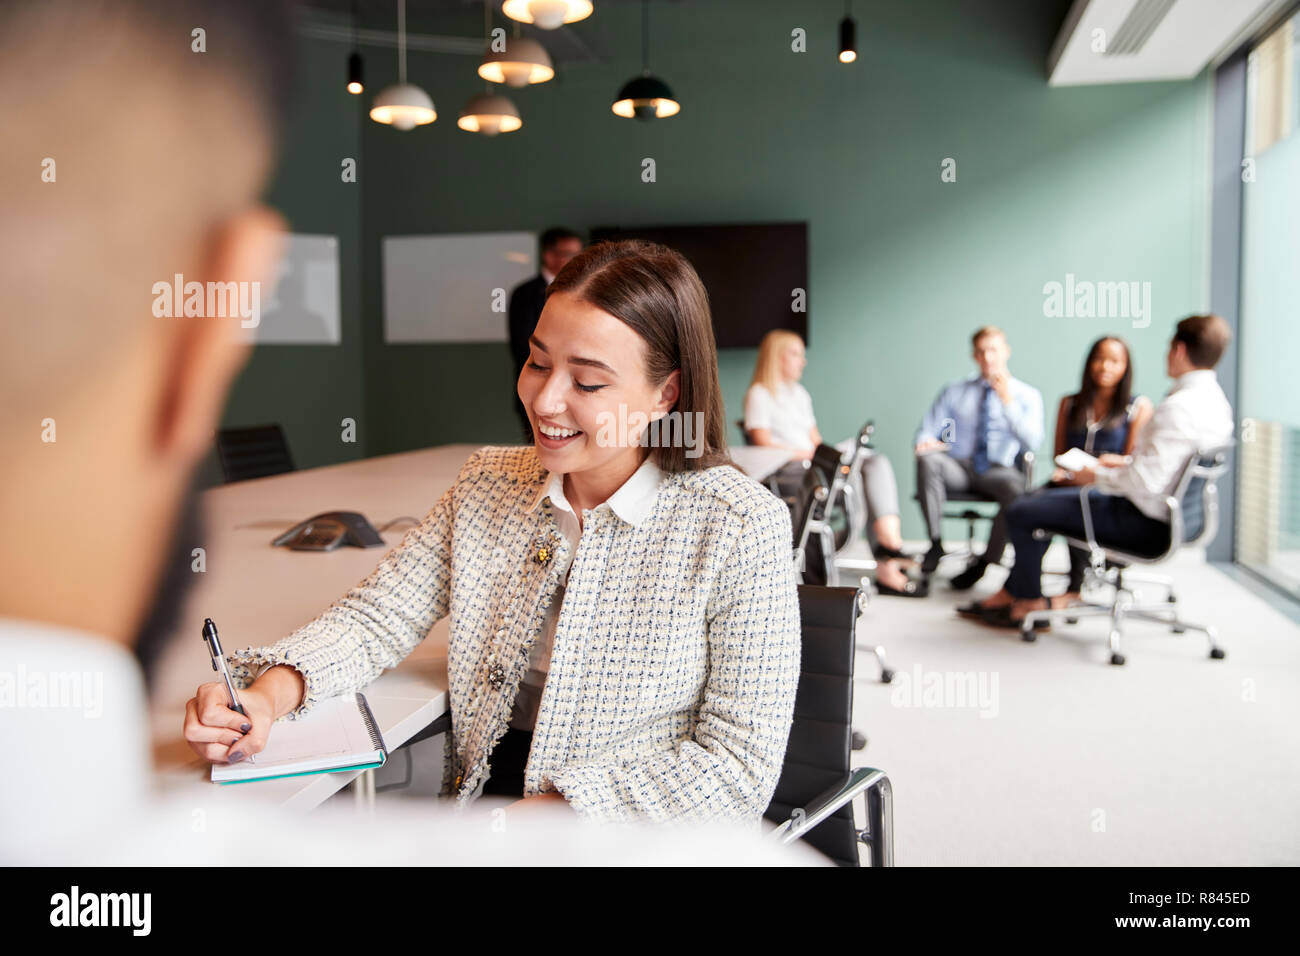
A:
[1268,489]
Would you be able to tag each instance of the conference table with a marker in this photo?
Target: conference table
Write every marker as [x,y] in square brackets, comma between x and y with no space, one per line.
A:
[256,594]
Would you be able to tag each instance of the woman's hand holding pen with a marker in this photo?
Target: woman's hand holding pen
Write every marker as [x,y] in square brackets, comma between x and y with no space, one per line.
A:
[219,734]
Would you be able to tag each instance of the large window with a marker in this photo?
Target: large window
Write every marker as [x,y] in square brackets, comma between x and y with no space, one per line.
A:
[1268,497]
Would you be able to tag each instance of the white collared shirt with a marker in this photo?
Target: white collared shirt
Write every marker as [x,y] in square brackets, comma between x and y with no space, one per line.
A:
[1194,416]
[631,502]
[787,414]
[548,275]
[79,790]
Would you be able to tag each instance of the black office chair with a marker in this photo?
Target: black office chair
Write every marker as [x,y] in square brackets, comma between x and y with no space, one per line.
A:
[812,543]
[254,452]
[814,797]
[1025,462]
[1193,517]
[805,520]
[744,433]
[837,472]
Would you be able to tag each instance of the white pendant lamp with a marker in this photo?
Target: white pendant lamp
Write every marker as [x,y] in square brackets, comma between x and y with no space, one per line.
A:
[489,114]
[403,105]
[547,14]
[522,62]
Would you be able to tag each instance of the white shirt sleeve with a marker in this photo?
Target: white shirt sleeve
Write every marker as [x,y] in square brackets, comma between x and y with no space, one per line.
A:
[1162,451]
[758,408]
[806,401]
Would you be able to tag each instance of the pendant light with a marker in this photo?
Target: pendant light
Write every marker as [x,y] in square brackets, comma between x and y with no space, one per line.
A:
[848,35]
[488,113]
[403,105]
[522,62]
[645,97]
[355,83]
[547,14]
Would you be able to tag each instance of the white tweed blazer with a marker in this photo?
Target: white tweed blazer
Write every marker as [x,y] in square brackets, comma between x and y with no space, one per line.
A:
[676,657]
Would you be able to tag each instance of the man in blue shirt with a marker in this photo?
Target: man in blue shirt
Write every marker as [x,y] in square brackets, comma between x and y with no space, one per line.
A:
[972,440]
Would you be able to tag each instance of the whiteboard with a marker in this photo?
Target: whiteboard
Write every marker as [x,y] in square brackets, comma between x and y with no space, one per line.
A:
[447,288]
[302,306]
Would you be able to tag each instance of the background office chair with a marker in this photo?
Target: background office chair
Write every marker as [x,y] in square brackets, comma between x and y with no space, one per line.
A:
[254,452]
[814,797]
[771,482]
[744,433]
[1025,462]
[806,513]
[813,540]
[1193,518]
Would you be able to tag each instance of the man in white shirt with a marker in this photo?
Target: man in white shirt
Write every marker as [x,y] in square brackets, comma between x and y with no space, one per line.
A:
[106,407]
[1127,500]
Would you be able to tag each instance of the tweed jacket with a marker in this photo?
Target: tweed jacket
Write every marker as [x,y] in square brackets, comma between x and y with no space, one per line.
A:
[676,656]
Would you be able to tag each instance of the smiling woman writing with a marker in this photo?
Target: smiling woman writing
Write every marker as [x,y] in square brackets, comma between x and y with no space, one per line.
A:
[624,615]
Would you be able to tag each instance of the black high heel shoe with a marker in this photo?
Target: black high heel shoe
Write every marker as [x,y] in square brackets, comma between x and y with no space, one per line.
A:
[912,589]
[882,552]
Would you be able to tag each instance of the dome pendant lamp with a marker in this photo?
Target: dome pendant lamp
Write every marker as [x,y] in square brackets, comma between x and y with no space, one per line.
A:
[521,63]
[547,14]
[488,113]
[403,106]
[645,97]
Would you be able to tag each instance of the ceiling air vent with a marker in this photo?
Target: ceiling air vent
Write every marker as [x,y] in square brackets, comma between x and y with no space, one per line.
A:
[1138,26]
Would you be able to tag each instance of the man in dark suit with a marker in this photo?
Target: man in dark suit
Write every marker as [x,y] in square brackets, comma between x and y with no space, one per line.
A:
[559,245]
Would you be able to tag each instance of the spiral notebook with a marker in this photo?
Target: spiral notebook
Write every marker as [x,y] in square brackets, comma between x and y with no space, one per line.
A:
[338,734]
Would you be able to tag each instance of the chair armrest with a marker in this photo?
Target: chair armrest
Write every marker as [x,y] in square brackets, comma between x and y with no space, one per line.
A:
[1027,461]
[860,780]
[1176,528]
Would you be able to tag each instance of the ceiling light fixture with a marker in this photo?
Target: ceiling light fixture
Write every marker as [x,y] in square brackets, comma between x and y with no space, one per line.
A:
[547,14]
[403,105]
[848,35]
[645,97]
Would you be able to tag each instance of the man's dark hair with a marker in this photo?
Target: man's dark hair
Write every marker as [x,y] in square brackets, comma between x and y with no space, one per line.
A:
[557,234]
[1206,338]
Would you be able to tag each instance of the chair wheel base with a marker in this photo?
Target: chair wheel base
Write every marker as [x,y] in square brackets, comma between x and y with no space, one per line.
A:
[1029,636]
[886,676]
[1117,659]
[1218,653]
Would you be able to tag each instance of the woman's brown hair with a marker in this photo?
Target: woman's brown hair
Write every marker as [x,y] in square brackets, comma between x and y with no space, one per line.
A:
[653,290]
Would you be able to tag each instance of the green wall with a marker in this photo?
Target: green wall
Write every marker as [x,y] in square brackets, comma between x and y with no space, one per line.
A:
[310,389]
[1109,183]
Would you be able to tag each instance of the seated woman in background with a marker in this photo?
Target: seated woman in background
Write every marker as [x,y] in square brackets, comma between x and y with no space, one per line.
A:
[1102,418]
[779,414]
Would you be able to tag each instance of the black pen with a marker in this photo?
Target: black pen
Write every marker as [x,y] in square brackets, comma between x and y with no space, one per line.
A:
[219,664]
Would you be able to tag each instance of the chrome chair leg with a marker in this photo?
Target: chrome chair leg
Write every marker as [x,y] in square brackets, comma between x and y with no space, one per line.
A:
[1116,621]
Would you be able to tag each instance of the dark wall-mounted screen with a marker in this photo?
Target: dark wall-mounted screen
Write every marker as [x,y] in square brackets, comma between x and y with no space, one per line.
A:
[751,272]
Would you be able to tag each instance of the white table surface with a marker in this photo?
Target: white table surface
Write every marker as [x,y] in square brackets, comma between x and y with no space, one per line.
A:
[257,594]
[758,461]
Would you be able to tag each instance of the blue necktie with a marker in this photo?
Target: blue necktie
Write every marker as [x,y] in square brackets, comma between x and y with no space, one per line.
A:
[980,460]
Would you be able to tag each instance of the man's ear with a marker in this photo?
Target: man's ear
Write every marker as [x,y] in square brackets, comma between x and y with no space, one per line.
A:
[206,352]
[669,392]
